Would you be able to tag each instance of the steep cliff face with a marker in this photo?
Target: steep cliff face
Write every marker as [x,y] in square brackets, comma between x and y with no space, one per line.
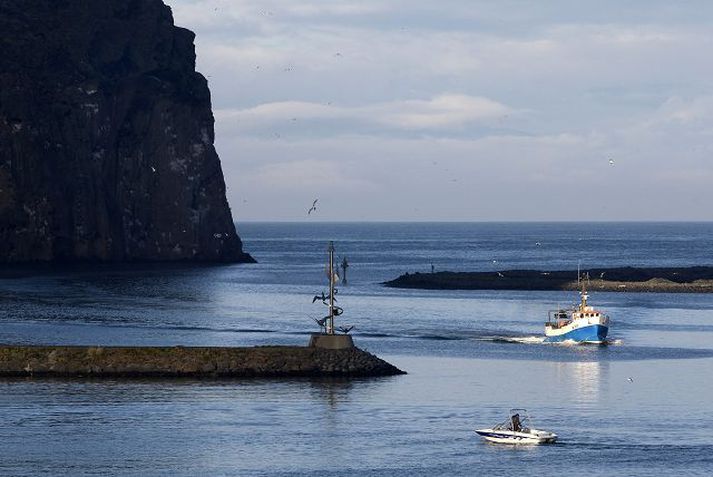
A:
[106,137]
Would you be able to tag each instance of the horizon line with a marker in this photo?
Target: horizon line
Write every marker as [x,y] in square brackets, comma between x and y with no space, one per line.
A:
[564,221]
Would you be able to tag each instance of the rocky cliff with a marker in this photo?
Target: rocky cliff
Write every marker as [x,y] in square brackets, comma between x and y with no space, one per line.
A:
[106,137]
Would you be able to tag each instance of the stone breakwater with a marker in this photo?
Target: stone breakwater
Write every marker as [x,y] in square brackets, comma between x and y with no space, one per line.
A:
[626,279]
[264,361]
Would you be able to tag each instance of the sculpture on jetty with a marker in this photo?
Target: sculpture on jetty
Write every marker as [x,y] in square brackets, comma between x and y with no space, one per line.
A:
[326,337]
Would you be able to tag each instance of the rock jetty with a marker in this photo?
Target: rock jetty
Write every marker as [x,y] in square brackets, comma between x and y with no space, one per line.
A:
[209,362]
[626,279]
[106,138]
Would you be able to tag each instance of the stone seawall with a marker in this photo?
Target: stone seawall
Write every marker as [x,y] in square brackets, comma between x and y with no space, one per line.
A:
[264,361]
[626,279]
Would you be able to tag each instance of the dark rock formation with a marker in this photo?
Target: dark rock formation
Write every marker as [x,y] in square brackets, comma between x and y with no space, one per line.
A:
[267,361]
[106,137]
[663,280]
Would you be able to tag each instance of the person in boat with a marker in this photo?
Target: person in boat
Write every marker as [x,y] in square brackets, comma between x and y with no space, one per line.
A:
[516,426]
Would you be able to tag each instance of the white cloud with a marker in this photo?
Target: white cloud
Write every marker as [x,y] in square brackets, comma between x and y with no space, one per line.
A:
[442,111]
[335,8]
[525,103]
[305,173]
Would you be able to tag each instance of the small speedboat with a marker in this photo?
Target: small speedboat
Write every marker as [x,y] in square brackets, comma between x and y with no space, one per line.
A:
[517,429]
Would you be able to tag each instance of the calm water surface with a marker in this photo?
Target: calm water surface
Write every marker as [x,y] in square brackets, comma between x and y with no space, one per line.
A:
[470,357]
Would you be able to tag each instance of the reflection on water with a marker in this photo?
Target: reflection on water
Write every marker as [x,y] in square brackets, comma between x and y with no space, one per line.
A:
[584,380]
[333,391]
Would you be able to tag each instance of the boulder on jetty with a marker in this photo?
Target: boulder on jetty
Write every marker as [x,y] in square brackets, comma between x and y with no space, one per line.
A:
[625,279]
[262,361]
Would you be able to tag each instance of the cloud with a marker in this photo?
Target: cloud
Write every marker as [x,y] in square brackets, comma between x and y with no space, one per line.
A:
[305,174]
[442,111]
[517,114]
[334,8]
[448,110]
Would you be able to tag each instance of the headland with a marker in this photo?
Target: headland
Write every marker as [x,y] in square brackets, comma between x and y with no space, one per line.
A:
[626,279]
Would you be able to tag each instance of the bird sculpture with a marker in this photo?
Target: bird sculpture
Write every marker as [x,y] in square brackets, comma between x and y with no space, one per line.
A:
[322,297]
[322,323]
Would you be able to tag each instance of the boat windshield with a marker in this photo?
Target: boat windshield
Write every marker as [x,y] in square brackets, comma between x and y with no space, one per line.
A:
[519,421]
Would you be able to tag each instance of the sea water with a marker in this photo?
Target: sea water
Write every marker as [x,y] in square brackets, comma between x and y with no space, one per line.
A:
[640,406]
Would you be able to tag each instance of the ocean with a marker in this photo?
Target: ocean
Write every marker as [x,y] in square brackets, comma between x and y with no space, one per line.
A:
[640,406]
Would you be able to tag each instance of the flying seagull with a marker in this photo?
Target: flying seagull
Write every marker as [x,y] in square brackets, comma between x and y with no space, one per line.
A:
[313,208]
[611,162]
[345,330]
[631,380]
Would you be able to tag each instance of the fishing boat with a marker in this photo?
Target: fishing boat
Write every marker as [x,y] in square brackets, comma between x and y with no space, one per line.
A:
[517,429]
[580,324]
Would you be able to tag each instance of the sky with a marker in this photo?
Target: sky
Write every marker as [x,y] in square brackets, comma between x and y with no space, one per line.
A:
[411,110]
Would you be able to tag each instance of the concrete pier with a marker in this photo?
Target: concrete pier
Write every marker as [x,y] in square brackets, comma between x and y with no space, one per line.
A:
[319,340]
[263,361]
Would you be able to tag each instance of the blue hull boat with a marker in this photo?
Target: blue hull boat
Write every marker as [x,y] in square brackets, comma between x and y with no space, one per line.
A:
[585,334]
[580,324]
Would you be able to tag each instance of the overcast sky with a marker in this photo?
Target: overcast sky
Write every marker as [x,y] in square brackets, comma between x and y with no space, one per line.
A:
[460,110]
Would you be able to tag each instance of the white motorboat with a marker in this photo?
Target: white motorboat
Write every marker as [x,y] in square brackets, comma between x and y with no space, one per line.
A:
[517,429]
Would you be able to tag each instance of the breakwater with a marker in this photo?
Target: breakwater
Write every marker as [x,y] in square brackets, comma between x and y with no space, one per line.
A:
[625,279]
[261,361]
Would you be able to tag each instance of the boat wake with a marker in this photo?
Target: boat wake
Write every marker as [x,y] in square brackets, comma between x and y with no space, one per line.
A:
[513,339]
[484,337]
[585,343]
[536,340]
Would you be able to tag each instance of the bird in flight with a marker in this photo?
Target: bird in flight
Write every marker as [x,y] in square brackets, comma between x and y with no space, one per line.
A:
[611,162]
[313,208]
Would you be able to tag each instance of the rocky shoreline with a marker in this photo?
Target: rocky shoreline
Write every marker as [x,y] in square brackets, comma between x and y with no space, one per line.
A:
[201,362]
[625,279]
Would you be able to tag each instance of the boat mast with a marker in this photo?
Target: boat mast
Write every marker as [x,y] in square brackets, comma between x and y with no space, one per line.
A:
[330,322]
[583,293]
